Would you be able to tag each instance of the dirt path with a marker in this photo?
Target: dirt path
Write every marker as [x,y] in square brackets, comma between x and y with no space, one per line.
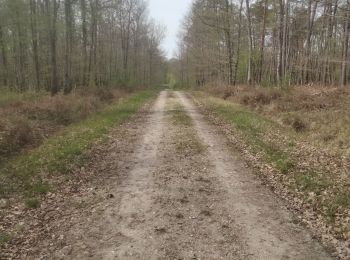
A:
[180,194]
[120,229]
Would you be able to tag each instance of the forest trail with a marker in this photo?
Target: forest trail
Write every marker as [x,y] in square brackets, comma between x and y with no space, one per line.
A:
[184,195]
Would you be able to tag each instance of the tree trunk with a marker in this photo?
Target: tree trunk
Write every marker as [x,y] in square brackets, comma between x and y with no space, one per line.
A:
[249,72]
[93,45]
[238,50]
[54,88]
[34,30]
[21,54]
[344,76]
[281,44]
[68,47]
[3,57]
[262,41]
[229,41]
[311,17]
[84,32]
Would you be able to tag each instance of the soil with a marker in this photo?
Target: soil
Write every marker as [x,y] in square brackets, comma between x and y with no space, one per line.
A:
[163,189]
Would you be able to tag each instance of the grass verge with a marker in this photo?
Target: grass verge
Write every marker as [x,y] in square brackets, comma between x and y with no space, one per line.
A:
[29,174]
[253,129]
[279,147]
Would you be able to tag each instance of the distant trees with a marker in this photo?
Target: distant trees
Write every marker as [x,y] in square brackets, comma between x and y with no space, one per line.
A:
[264,42]
[63,44]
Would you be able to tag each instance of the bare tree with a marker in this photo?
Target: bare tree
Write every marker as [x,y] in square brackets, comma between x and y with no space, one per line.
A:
[86,42]
[52,21]
[33,23]
[344,68]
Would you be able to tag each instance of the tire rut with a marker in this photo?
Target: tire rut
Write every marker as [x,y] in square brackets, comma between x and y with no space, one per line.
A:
[194,225]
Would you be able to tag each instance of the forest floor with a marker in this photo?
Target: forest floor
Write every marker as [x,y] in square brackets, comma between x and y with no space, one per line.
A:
[165,185]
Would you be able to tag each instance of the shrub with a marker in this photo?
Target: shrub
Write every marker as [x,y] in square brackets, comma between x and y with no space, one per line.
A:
[245,100]
[105,95]
[32,203]
[262,98]
[14,134]
[227,94]
[299,125]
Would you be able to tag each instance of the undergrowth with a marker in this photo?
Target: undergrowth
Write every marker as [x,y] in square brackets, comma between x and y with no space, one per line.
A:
[24,123]
[29,174]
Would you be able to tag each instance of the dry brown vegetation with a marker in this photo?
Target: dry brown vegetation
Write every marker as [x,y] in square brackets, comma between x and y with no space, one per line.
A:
[318,114]
[25,123]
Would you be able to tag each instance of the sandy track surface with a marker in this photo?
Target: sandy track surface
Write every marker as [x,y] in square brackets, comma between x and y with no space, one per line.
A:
[179,194]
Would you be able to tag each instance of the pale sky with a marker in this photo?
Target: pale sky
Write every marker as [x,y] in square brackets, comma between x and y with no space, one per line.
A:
[169,13]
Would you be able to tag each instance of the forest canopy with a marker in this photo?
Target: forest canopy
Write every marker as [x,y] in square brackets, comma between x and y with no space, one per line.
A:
[63,44]
[265,42]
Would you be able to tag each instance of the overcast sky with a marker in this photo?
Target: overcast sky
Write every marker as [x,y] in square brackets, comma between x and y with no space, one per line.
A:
[170,13]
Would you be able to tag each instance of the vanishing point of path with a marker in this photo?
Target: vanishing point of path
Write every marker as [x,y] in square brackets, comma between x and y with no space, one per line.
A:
[182,194]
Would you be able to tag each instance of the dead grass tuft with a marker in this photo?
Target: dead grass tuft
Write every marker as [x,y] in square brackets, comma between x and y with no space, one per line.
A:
[299,125]
[14,134]
[256,98]
[296,122]
[105,95]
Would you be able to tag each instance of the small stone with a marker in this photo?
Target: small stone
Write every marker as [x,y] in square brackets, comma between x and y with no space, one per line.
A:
[110,196]
[67,250]
[3,203]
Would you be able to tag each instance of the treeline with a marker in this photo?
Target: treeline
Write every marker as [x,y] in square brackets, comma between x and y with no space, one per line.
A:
[264,42]
[62,44]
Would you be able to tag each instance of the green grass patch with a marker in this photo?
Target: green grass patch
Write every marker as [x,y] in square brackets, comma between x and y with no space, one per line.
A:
[186,139]
[177,112]
[252,127]
[32,203]
[192,144]
[336,203]
[4,237]
[312,181]
[180,117]
[59,153]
